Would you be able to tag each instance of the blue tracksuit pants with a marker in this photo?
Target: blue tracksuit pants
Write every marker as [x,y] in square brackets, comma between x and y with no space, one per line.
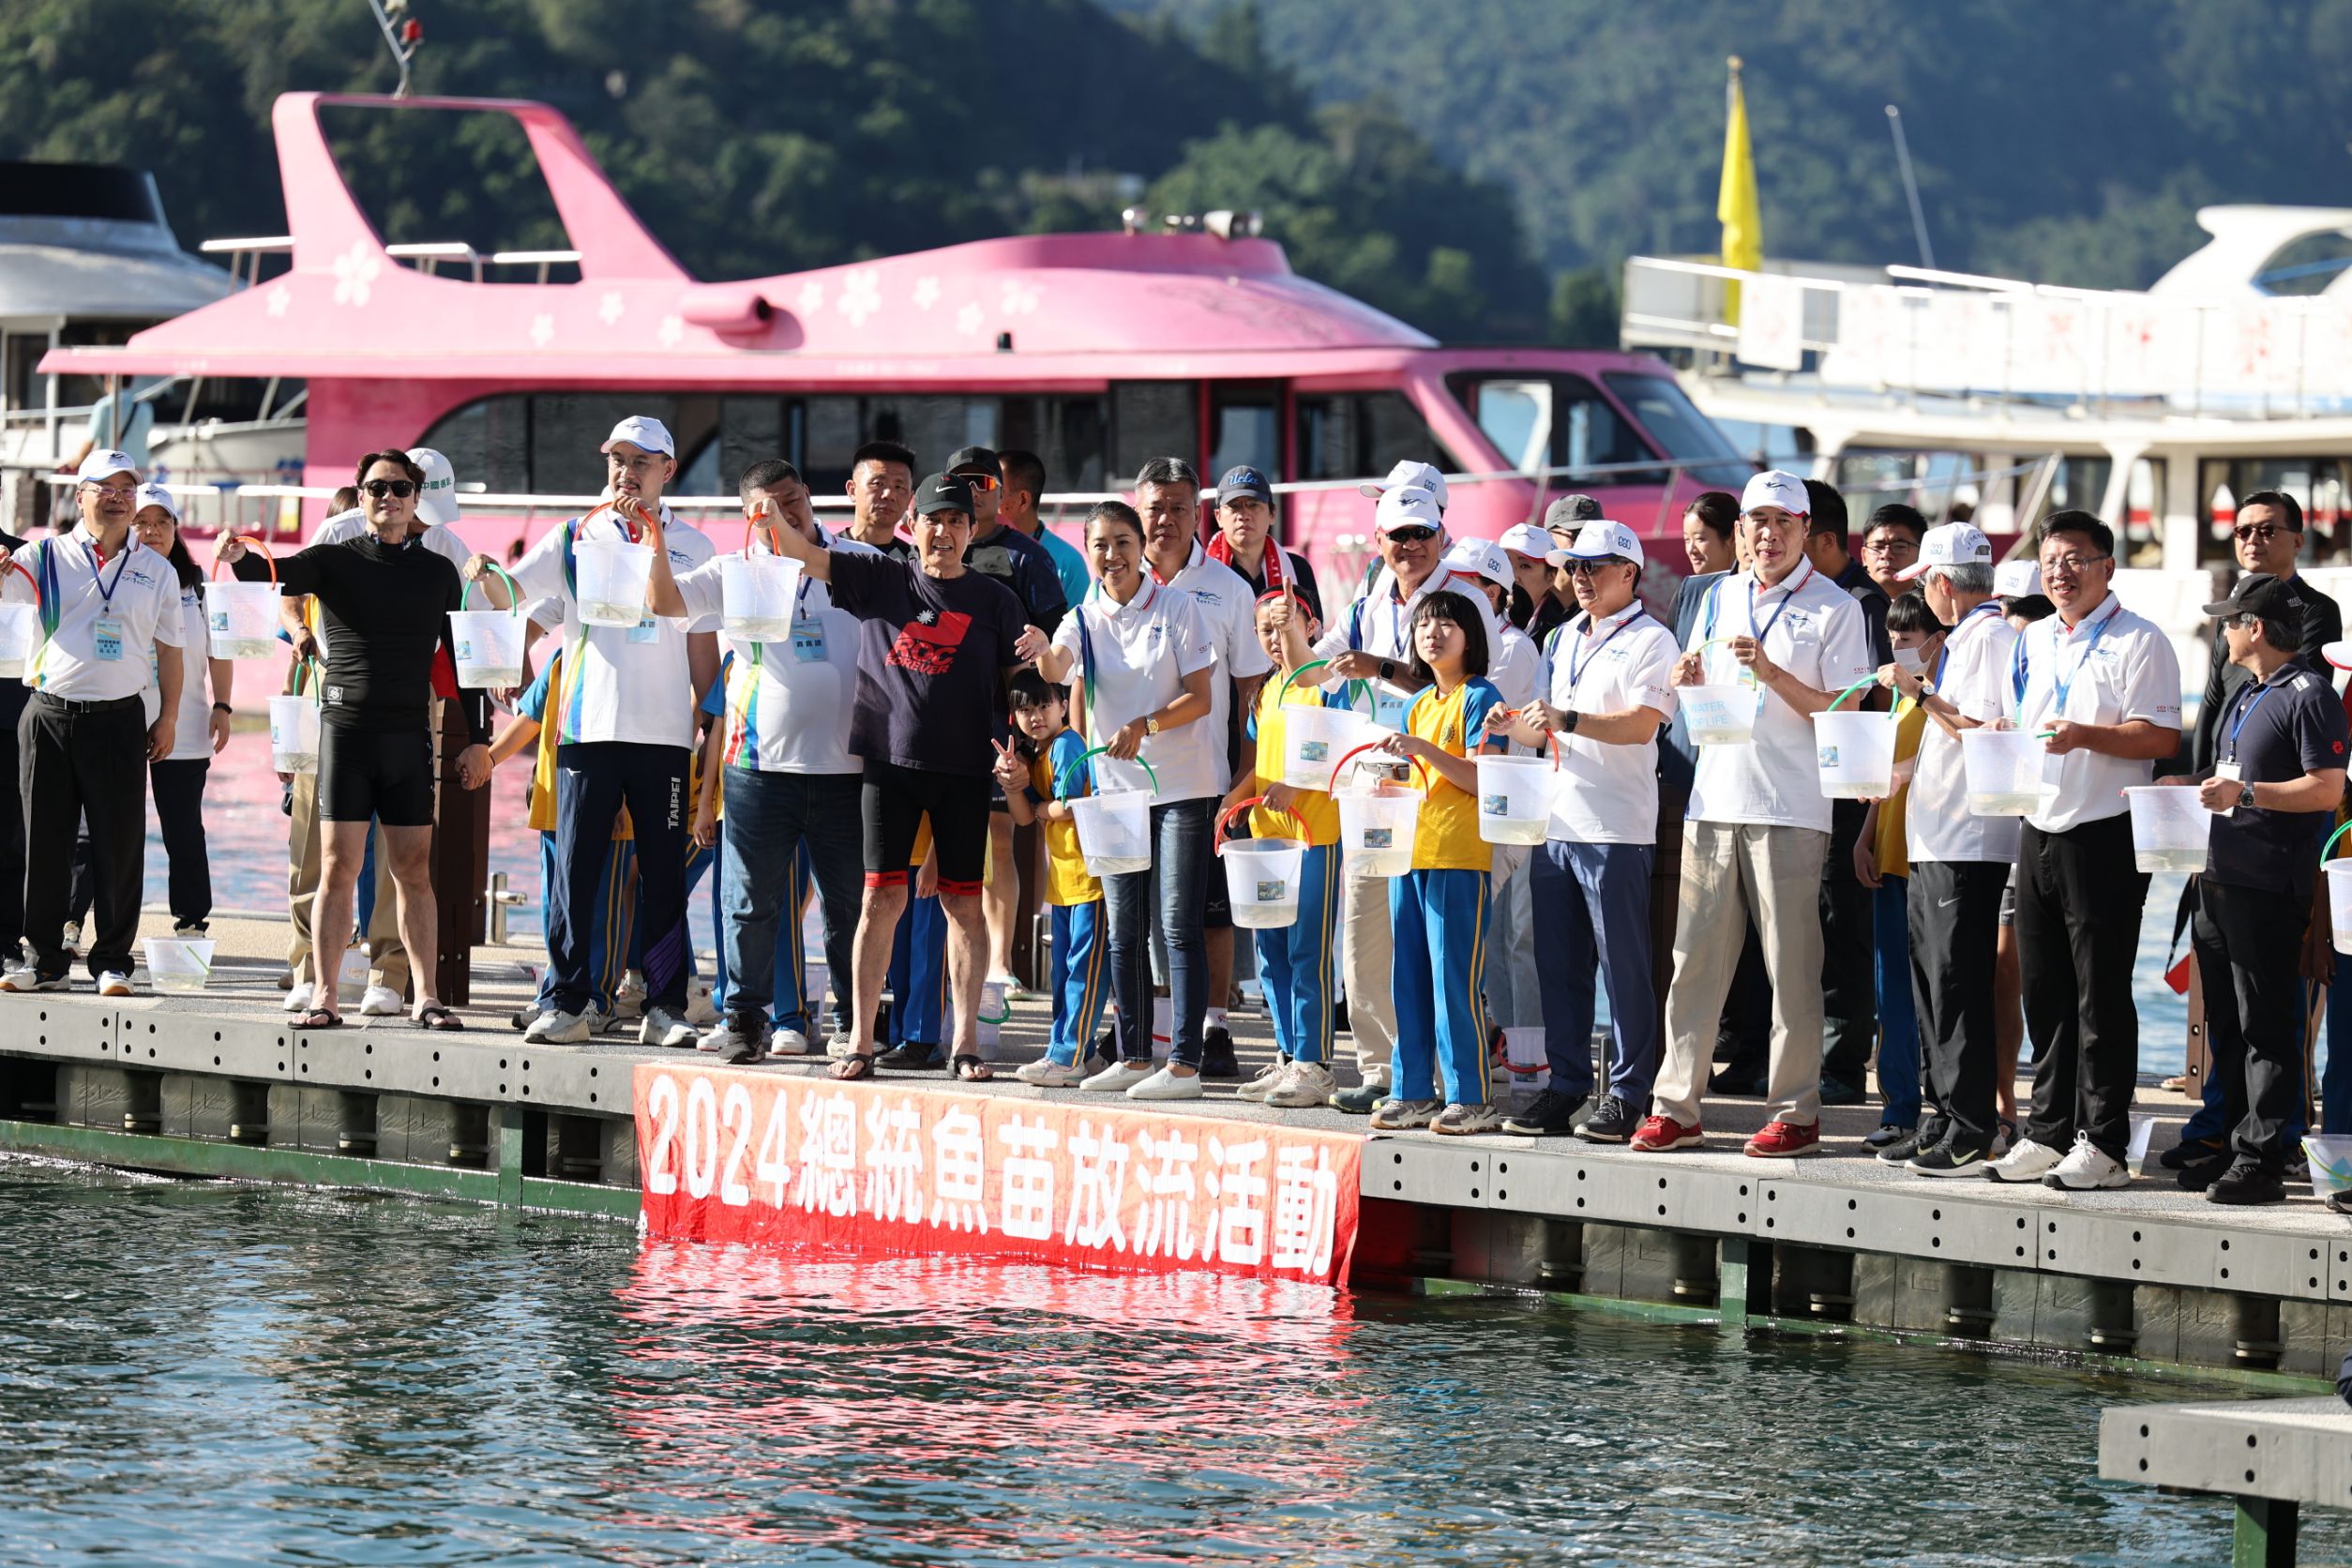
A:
[1080,979]
[1441,926]
[919,975]
[1294,963]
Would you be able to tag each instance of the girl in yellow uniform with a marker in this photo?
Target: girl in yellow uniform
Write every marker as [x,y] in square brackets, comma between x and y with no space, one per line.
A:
[1294,963]
[1040,773]
[1439,908]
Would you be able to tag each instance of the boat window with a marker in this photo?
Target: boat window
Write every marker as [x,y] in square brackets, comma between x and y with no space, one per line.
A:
[1672,421]
[1361,435]
[1559,421]
[1245,426]
[399,169]
[1153,419]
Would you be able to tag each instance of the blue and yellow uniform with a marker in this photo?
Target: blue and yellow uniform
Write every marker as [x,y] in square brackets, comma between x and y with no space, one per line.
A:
[1438,910]
[1294,961]
[611,927]
[1079,981]
[918,963]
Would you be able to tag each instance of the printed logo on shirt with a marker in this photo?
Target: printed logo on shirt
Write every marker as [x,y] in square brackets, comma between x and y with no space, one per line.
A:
[335,694]
[141,578]
[930,649]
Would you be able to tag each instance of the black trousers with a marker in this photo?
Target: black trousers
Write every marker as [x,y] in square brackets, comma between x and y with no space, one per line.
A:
[2249,944]
[1954,909]
[2079,897]
[594,780]
[1850,977]
[72,762]
[12,706]
[179,813]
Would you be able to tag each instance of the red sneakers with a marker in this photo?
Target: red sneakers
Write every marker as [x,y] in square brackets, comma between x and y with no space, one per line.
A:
[1784,1141]
[1657,1133]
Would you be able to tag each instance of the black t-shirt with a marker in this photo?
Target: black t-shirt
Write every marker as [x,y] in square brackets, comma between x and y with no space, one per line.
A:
[930,671]
[2323,623]
[2289,725]
[1023,565]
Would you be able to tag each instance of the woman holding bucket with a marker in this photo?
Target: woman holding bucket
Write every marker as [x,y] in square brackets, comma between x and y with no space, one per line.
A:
[1142,658]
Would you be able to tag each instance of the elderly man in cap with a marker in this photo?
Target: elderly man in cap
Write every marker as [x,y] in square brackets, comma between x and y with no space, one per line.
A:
[1245,539]
[2274,784]
[628,733]
[112,608]
[1760,825]
[1607,687]
[1366,642]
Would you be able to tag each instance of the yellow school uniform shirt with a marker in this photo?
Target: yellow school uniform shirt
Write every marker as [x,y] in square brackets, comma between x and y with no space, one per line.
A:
[1446,839]
[543,761]
[1067,884]
[1910,727]
[1312,810]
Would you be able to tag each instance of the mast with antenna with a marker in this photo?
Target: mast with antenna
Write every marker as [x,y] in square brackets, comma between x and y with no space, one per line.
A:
[402,35]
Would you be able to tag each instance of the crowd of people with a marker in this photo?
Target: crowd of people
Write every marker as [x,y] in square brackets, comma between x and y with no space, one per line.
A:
[953,672]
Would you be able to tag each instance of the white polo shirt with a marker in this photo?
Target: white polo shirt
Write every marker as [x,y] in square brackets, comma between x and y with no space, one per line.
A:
[1516,668]
[191,728]
[789,703]
[136,588]
[1229,618]
[621,683]
[1975,678]
[1608,794]
[1141,651]
[1379,623]
[441,541]
[1810,627]
[2112,667]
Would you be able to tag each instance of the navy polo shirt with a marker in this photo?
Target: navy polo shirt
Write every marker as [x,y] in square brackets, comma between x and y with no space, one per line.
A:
[2277,731]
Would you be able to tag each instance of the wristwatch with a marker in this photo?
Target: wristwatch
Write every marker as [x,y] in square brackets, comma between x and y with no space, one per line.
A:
[1568,720]
[1151,726]
[1388,669]
[2245,793]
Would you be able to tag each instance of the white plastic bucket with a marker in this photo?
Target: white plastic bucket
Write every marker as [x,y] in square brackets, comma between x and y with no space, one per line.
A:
[1261,880]
[2338,873]
[1514,798]
[2004,771]
[178,963]
[20,635]
[2329,1155]
[2136,1153]
[756,594]
[609,578]
[1313,740]
[1855,752]
[1376,830]
[1114,831]
[294,733]
[241,619]
[486,645]
[2170,827]
[1720,715]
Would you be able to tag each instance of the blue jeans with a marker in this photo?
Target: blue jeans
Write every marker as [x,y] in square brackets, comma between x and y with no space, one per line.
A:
[1076,983]
[1294,961]
[1591,902]
[1899,1015]
[1180,869]
[779,824]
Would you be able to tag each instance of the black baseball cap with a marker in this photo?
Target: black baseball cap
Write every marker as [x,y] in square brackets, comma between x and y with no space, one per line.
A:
[976,459]
[2259,594]
[942,493]
[1244,480]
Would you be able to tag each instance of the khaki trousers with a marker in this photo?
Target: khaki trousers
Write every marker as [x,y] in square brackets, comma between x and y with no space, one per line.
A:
[1367,954]
[306,859]
[1733,872]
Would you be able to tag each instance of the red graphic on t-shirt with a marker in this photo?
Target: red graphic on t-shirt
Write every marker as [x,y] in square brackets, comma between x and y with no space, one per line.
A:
[930,650]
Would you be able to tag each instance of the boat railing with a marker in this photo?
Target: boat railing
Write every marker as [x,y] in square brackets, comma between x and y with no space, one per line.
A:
[245,257]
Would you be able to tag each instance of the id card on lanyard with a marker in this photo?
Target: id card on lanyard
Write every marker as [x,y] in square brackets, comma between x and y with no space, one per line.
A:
[2227,767]
[808,632]
[106,628]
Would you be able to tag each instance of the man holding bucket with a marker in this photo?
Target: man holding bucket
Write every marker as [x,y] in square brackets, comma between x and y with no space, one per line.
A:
[111,611]
[1760,824]
[2102,689]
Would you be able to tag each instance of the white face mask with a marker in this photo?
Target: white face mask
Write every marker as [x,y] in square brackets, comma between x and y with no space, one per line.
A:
[1910,660]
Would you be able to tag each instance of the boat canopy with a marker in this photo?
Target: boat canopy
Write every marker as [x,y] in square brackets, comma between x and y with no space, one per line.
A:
[89,242]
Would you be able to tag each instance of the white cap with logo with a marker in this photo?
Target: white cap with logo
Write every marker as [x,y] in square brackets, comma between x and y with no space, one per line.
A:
[1406,506]
[643,432]
[1949,544]
[156,495]
[437,498]
[1526,538]
[1408,473]
[1776,487]
[1603,540]
[99,467]
[1479,558]
[2018,578]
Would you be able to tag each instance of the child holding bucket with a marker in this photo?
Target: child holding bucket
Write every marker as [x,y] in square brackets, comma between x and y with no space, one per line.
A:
[1039,771]
[1294,961]
[1439,908]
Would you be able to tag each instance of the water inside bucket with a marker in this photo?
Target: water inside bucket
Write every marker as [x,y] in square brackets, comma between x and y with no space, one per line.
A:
[2170,827]
[1855,752]
[1515,799]
[756,594]
[2004,771]
[1720,715]
[178,964]
[241,619]
[1376,830]
[20,634]
[294,733]
[1114,831]
[610,576]
[486,645]
[1261,879]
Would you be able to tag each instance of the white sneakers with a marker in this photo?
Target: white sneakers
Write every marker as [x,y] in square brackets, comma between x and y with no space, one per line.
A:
[788,1041]
[2088,1167]
[1301,1084]
[1168,1084]
[113,982]
[699,1006]
[1118,1078]
[1263,1082]
[2027,1161]
[556,1026]
[297,997]
[1045,1072]
[379,1002]
[659,1026]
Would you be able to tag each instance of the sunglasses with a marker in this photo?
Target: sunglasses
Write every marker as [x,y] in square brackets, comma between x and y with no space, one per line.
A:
[1412,533]
[2265,532]
[402,488]
[977,481]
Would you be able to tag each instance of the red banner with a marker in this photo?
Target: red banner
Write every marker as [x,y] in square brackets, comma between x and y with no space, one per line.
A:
[777,1159]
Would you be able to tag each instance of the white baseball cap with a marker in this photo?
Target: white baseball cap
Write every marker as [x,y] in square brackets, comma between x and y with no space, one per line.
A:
[1406,506]
[1480,558]
[1603,540]
[437,498]
[1776,487]
[1949,544]
[156,495]
[645,433]
[1409,474]
[1526,538]
[99,467]
[2018,578]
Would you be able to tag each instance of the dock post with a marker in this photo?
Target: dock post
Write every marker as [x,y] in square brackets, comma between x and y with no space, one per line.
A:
[1731,1280]
[2265,1534]
[510,1148]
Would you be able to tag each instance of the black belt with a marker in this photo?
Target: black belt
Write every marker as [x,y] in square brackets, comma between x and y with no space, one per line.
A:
[109,705]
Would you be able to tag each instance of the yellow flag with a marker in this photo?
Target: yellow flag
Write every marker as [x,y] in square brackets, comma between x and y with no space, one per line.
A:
[1736,206]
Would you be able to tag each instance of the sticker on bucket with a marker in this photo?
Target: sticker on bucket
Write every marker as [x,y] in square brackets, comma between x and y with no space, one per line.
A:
[1495,805]
[1828,756]
[1378,838]
[1273,892]
[1314,751]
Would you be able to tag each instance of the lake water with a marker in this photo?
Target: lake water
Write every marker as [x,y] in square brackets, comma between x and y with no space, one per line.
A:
[203,1373]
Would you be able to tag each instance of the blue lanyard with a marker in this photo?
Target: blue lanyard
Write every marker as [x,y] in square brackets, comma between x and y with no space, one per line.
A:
[1577,667]
[1778,610]
[98,573]
[2018,672]
[1988,607]
[2261,691]
[2098,630]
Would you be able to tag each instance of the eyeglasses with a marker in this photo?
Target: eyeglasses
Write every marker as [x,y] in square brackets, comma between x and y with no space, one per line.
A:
[1412,533]
[2265,532]
[2074,565]
[402,488]
[977,481]
[1888,547]
[115,493]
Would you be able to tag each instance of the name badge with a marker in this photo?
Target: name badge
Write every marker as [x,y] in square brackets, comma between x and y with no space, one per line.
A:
[106,635]
[808,641]
[645,630]
[2236,775]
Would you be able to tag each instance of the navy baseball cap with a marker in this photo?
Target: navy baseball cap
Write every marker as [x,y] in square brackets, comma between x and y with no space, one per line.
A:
[976,459]
[1244,480]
